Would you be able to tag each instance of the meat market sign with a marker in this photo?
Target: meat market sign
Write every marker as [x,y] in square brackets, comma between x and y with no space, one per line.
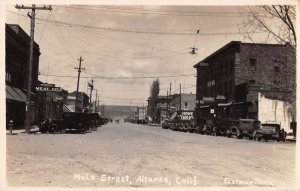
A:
[47,88]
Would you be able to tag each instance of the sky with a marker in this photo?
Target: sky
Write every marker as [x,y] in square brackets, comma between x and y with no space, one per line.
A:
[126,47]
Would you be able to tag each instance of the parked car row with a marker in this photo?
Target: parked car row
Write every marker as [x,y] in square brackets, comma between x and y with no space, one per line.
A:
[73,122]
[239,128]
[136,121]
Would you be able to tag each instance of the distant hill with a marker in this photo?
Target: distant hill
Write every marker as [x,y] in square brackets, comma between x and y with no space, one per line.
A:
[119,111]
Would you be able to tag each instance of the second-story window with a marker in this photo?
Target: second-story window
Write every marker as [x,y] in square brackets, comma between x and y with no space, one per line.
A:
[252,81]
[8,77]
[276,69]
[252,65]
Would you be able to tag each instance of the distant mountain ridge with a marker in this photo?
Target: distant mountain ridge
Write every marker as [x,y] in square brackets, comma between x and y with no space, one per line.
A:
[119,111]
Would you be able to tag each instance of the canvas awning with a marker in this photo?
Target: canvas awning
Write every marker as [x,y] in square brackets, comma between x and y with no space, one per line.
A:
[204,106]
[224,104]
[173,116]
[15,94]
[69,108]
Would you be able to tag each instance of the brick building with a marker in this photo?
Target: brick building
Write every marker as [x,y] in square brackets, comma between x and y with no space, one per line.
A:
[167,105]
[17,44]
[83,101]
[187,101]
[229,80]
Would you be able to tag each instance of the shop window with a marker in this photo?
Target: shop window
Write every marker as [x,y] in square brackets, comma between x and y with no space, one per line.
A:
[252,81]
[252,65]
[276,69]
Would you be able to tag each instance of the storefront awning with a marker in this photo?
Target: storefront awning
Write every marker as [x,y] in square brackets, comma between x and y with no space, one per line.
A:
[237,103]
[205,106]
[69,108]
[15,94]
[224,104]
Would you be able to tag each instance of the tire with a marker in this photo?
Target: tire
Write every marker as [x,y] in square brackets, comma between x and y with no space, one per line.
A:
[259,138]
[233,130]
[52,128]
[82,129]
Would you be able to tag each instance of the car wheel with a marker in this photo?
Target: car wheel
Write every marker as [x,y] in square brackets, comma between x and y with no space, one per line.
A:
[259,139]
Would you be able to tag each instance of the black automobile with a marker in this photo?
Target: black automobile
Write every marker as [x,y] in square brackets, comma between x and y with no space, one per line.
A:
[269,131]
[141,122]
[70,121]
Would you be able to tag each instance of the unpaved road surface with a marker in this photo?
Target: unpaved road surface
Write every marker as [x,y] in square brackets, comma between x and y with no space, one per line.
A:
[130,155]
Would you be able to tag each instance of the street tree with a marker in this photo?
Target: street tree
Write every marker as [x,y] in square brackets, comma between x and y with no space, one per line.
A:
[154,92]
[270,23]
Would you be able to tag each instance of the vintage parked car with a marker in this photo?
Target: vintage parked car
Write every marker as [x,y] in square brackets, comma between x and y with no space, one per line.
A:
[141,122]
[166,124]
[70,121]
[208,127]
[192,126]
[221,126]
[94,121]
[243,128]
[269,131]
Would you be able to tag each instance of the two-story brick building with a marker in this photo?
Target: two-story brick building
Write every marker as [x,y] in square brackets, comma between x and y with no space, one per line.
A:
[229,80]
[16,73]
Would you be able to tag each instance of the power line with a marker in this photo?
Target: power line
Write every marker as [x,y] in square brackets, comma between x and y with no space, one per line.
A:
[120,78]
[176,53]
[113,98]
[158,12]
[126,42]
[144,31]
[61,37]
[45,24]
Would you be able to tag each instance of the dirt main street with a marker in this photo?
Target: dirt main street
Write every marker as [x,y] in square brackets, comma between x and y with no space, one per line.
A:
[140,156]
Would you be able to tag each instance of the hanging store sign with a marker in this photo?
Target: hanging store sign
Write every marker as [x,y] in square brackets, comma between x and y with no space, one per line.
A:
[208,99]
[47,85]
[47,89]
[220,97]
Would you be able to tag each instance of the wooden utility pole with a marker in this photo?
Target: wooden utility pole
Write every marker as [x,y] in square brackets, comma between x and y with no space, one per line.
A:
[96,101]
[29,82]
[180,98]
[79,70]
[92,86]
[167,101]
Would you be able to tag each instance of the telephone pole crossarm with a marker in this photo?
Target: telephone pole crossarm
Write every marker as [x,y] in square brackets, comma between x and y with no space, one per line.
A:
[28,7]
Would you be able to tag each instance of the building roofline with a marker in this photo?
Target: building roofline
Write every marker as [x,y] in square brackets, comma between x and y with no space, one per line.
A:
[217,52]
[231,44]
[9,26]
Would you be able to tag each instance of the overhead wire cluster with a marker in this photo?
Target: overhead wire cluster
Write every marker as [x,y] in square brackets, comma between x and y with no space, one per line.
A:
[139,31]
[131,10]
[51,20]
